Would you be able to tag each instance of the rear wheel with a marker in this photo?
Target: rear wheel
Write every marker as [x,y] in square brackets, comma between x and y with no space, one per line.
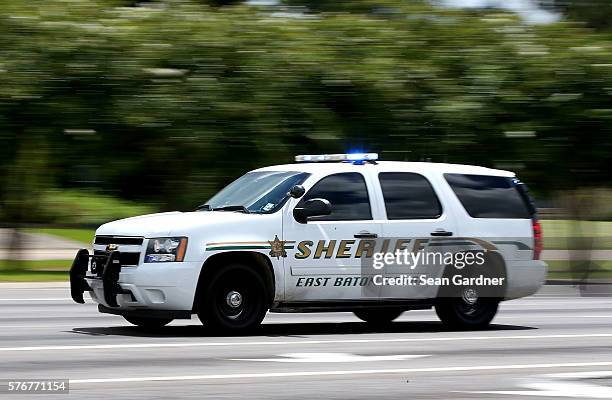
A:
[471,306]
[234,299]
[468,311]
[378,317]
[149,323]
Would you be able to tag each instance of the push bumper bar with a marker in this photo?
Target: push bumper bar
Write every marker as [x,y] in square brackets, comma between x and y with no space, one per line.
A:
[108,269]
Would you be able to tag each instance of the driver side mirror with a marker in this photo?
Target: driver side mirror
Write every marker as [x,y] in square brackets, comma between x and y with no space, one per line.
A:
[297,191]
[312,208]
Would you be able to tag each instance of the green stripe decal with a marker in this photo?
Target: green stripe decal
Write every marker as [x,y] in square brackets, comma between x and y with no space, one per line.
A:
[243,247]
[246,247]
[519,245]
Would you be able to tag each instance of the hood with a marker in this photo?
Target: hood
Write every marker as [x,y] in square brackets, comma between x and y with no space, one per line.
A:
[169,223]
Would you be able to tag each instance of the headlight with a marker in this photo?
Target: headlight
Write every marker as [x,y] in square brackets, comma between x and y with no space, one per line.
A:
[167,249]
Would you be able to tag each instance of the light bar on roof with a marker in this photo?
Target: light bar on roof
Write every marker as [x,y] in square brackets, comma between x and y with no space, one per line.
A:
[337,157]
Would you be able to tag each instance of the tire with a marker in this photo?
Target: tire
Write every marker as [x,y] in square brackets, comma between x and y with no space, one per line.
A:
[457,313]
[149,323]
[233,300]
[378,317]
[468,307]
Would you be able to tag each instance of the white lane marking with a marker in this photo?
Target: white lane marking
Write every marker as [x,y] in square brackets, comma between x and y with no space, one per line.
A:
[555,305]
[581,375]
[40,289]
[42,299]
[578,390]
[331,358]
[301,342]
[50,326]
[34,326]
[340,372]
[523,316]
[546,387]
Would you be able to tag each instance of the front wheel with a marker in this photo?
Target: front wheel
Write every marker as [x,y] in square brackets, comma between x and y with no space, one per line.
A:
[234,299]
[467,311]
[378,317]
[148,323]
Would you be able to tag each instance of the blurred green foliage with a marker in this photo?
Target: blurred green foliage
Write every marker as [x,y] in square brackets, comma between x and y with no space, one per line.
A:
[71,207]
[352,6]
[82,235]
[165,102]
[596,14]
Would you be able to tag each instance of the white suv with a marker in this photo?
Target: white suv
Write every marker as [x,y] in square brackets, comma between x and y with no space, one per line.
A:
[305,237]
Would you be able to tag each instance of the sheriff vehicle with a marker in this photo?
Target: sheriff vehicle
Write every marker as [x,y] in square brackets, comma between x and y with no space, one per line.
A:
[293,238]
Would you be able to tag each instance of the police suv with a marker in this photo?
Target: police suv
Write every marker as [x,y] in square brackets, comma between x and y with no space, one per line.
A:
[309,237]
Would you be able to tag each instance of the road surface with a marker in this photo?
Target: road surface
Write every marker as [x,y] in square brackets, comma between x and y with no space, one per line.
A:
[551,345]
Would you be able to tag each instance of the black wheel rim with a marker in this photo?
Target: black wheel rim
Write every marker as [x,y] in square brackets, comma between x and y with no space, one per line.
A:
[469,304]
[230,288]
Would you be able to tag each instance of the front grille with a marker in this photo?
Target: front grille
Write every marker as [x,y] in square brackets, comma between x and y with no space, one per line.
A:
[121,240]
[129,255]
[125,258]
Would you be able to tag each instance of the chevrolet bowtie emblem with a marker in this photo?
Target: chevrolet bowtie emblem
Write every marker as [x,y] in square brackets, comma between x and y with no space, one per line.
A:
[277,248]
[111,247]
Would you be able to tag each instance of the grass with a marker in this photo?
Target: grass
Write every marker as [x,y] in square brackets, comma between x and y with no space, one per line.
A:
[33,276]
[84,236]
[566,270]
[38,265]
[87,207]
[34,271]
[563,234]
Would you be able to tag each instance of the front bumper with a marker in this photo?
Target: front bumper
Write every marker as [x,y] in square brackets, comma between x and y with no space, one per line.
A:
[147,289]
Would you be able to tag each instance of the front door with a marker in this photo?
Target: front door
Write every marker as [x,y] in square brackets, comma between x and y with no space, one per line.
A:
[323,255]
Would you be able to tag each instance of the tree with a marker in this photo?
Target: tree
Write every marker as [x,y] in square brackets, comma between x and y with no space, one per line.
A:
[354,6]
[167,104]
[597,14]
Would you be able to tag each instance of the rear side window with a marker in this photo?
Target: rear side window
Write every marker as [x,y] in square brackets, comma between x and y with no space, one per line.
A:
[527,199]
[485,196]
[409,196]
[347,194]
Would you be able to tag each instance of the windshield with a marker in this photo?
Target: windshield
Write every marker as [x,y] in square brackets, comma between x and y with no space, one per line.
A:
[258,192]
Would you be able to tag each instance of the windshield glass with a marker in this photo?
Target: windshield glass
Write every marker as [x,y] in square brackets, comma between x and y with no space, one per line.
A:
[258,192]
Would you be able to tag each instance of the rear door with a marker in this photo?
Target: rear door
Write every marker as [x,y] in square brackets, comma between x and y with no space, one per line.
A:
[417,219]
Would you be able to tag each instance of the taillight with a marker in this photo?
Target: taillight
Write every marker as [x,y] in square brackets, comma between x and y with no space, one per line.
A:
[537,239]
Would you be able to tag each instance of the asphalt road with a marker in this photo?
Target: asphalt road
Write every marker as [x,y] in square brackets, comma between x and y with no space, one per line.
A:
[553,345]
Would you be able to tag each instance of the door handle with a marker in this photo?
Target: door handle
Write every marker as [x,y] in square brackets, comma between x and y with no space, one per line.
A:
[365,235]
[441,232]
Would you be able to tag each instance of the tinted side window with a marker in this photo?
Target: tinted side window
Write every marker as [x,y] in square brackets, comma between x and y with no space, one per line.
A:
[486,196]
[408,196]
[347,194]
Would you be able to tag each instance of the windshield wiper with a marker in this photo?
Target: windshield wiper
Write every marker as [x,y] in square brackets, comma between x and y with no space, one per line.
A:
[207,207]
[231,208]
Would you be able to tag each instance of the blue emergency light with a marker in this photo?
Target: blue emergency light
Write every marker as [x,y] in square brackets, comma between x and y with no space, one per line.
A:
[352,157]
